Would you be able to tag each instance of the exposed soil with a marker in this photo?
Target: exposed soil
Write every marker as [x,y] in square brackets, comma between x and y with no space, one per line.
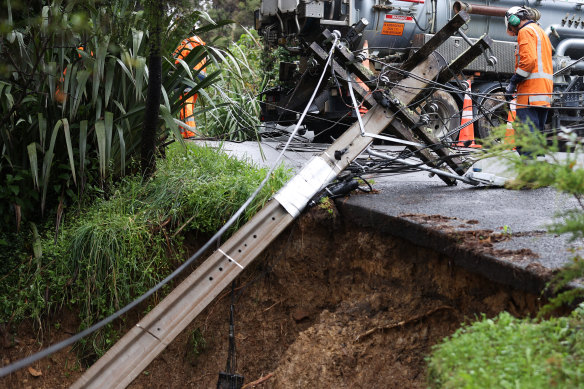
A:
[479,241]
[327,305]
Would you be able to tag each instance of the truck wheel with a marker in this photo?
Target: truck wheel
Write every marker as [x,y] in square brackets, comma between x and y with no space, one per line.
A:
[492,120]
[444,115]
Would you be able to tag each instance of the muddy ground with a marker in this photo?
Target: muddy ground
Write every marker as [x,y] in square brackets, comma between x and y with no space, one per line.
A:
[327,305]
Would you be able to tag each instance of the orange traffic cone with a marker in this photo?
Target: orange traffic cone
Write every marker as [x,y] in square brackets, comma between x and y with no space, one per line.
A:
[467,133]
[510,132]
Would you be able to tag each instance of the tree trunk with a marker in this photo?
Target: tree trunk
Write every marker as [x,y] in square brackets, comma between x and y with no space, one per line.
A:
[148,160]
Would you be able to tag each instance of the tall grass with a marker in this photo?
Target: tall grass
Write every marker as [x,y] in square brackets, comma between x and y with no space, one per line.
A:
[233,105]
[120,247]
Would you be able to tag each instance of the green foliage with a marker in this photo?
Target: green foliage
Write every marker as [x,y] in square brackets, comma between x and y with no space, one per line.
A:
[556,171]
[506,352]
[12,200]
[270,62]
[120,247]
[234,112]
[327,205]
[523,353]
[559,170]
[71,117]
[197,344]
[232,106]
[565,294]
[241,12]
[507,230]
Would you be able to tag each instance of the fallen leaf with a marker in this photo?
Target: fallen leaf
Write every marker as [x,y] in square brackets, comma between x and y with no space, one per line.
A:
[34,372]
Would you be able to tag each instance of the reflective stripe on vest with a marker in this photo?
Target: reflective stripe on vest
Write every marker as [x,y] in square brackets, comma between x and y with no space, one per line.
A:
[540,73]
[546,98]
[538,81]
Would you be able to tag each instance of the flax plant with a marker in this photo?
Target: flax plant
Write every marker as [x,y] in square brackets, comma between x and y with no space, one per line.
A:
[72,100]
[234,109]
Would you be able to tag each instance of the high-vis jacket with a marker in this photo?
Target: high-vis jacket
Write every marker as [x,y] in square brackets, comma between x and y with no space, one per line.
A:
[187,110]
[185,48]
[533,60]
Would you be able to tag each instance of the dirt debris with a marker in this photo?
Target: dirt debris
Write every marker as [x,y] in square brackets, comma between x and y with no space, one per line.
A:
[327,305]
[479,241]
[333,306]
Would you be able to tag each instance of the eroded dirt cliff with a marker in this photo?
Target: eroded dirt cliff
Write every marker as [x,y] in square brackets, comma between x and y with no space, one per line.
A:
[327,305]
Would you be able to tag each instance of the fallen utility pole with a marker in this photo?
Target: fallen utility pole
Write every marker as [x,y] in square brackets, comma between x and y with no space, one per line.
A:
[133,352]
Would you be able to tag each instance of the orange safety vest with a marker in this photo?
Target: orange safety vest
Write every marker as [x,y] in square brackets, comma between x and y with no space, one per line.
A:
[188,108]
[185,48]
[533,60]
[59,95]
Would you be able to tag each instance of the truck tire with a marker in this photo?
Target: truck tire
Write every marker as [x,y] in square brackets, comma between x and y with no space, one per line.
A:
[486,124]
[444,115]
[490,95]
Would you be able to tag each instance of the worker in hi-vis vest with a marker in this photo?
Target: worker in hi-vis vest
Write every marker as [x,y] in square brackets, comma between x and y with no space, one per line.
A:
[60,96]
[533,78]
[186,112]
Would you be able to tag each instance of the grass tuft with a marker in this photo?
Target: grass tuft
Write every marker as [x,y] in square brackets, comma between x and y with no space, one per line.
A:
[119,248]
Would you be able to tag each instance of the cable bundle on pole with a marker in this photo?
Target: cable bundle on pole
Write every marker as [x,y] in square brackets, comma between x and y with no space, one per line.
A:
[229,379]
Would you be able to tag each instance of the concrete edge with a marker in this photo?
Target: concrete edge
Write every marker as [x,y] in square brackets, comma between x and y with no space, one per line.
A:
[488,266]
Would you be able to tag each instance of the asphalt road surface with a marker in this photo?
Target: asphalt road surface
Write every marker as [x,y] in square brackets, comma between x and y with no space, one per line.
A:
[512,245]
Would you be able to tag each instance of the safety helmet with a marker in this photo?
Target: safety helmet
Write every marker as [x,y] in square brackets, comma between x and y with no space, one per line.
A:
[514,15]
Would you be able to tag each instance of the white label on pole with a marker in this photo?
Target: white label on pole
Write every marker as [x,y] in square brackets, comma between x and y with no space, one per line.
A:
[302,187]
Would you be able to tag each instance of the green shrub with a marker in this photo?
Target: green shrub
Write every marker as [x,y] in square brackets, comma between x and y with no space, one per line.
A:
[524,353]
[234,111]
[72,99]
[506,352]
[560,170]
[119,248]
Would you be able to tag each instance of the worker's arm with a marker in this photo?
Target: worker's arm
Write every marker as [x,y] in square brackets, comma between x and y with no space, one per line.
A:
[527,49]
[527,42]
[512,87]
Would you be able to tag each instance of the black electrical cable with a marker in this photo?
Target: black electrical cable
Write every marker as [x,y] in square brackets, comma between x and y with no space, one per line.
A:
[366,182]
[447,88]
[420,27]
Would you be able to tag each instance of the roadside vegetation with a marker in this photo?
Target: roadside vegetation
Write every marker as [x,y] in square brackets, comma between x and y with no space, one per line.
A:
[81,227]
[83,230]
[506,352]
[542,352]
[233,102]
[118,248]
[72,101]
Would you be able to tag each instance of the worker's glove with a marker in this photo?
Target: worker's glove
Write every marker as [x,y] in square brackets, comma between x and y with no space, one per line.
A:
[513,82]
[510,91]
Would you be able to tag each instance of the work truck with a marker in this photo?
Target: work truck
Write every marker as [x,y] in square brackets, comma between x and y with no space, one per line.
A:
[384,33]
